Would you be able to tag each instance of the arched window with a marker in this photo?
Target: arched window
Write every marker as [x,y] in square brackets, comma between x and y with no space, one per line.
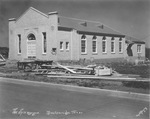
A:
[112,45]
[31,36]
[104,49]
[31,46]
[83,44]
[94,44]
[120,45]
[83,37]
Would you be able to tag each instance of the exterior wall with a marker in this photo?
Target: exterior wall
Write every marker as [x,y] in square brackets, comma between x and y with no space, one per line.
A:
[52,35]
[12,51]
[23,46]
[74,48]
[135,53]
[136,56]
[100,54]
[75,55]
[36,23]
[64,36]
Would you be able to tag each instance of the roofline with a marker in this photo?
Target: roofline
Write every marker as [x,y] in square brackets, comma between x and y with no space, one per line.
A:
[139,42]
[100,34]
[12,19]
[51,13]
[34,10]
[134,40]
[63,28]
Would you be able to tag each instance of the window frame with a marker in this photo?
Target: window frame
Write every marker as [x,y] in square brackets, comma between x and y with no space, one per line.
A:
[120,41]
[61,45]
[104,41]
[139,49]
[94,39]
[33,36]
[113,45]
[83,38]
[19,43]
[44,43]
[67,46]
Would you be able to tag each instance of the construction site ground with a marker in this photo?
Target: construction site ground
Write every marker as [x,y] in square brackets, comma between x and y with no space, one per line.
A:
[141,72]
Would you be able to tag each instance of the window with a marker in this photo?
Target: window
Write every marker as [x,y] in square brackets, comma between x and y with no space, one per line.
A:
[112,45]
[31,46]
[61,45]
[67,45]
[19,43]
[31,37]
[83,44]
[104,45]
[44,43]
[120,46]
[138,48]
[94,44]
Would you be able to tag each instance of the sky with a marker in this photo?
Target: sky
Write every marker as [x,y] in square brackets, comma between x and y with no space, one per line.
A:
[130,17]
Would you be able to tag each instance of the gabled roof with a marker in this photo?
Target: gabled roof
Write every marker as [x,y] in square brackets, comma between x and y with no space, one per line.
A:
[87,27]
[84,26]
[31,8]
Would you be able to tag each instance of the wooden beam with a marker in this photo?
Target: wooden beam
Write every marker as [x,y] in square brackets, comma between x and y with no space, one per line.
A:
[64,67]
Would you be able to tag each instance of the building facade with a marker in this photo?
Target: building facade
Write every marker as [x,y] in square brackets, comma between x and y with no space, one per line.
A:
[53,37]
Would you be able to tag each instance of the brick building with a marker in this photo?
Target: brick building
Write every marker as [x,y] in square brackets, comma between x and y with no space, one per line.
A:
[53,37]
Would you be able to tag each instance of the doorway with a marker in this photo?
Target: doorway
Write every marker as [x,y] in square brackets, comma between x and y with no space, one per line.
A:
[31,46]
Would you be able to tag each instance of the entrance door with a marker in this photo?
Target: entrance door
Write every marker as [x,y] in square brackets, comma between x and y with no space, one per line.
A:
[31,46]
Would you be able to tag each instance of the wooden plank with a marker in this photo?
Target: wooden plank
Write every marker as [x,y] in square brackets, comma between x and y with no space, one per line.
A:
[79,68]
[64,67]
[99,77]
[3,59]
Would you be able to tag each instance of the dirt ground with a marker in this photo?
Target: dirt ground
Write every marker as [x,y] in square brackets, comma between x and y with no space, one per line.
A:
[10,70]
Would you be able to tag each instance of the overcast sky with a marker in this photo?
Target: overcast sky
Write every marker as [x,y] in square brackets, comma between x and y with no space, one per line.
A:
[131,17]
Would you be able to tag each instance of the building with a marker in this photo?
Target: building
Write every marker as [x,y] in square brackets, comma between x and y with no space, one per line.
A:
[53,37]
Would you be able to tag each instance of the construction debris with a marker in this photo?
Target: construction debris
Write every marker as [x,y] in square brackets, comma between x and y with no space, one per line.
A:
[55,69]
[2,60]
[59,69]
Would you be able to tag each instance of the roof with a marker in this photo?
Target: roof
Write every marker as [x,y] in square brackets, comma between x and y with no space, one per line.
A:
[87,27]
[139,42]
[134,40]
[84,26]
[31,8]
